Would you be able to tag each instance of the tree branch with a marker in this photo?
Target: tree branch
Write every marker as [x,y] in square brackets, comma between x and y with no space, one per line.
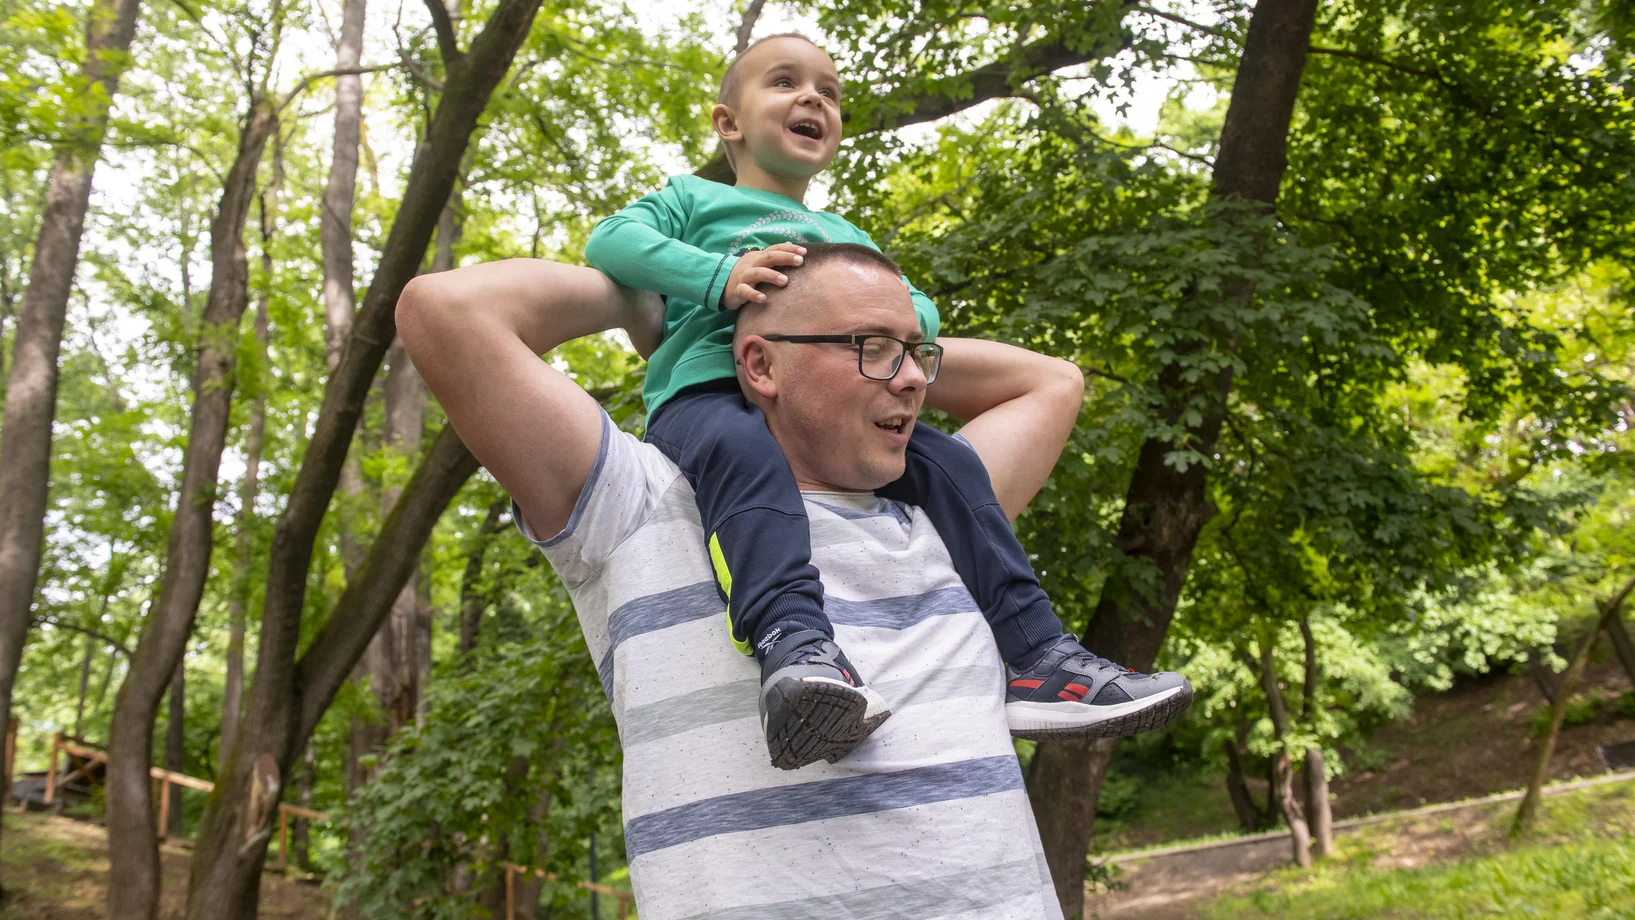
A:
[310,79]
[55,623]
[995,80]
[1198,26]
[747,27]
[1366,58]
[447,45]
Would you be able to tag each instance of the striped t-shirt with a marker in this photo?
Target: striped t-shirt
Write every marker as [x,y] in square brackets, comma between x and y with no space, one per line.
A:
[928,818]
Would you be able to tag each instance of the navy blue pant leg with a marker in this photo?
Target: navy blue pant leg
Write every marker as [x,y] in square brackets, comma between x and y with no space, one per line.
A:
[946,478]
[753,514]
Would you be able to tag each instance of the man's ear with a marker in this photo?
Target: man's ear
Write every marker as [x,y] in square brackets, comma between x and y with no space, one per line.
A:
[755,364]
[725,123]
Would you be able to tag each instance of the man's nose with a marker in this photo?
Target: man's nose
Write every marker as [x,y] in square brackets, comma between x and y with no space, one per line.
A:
[909,376]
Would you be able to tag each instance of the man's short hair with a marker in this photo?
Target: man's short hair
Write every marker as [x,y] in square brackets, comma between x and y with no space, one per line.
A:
[753,316]
[845,253]
[732,81]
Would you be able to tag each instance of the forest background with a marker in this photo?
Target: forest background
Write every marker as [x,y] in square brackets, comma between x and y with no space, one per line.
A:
[1349,281]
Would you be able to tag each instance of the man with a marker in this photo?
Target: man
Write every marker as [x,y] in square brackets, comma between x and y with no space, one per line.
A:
[929,817]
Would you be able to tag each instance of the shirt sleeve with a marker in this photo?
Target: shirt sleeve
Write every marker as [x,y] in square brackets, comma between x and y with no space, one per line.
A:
[619,495]
[924,307]
[641,247]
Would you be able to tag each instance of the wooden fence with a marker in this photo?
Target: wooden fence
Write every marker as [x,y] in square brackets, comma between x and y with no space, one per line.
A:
[164,779]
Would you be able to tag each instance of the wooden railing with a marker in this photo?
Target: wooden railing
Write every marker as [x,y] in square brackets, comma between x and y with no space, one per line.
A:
[512,870]
[164,779]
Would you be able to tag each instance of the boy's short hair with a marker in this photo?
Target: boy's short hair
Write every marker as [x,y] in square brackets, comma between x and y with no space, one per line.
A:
[732,81]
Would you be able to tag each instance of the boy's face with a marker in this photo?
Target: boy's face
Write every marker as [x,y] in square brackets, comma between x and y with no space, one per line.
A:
[787,117]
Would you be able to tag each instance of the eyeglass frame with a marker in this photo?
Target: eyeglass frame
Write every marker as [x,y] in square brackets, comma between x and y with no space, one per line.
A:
[857,340]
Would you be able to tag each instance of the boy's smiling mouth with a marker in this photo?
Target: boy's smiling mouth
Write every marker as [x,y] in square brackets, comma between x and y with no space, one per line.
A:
[808,128]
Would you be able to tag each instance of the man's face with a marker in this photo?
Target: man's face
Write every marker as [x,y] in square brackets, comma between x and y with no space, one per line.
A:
[788,107]
[840,430]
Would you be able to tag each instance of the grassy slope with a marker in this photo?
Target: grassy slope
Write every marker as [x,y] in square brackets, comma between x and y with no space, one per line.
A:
[57,869]
[1579,863]
[1472,741]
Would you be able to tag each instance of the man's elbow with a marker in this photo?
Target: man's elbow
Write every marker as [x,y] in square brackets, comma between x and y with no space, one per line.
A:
[418,313]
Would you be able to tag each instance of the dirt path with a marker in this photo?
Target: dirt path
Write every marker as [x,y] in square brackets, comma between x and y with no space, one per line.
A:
[57,869]
[1168,884]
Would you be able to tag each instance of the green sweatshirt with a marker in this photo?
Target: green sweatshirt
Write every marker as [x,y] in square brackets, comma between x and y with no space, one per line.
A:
[679,242]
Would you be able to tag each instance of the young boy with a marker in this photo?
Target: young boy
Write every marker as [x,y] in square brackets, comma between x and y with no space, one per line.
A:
[707,247]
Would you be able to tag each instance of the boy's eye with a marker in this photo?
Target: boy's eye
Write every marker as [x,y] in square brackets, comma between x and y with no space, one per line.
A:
[784,81]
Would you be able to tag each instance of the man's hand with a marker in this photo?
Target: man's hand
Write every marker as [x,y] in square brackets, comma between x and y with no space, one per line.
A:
[757,268]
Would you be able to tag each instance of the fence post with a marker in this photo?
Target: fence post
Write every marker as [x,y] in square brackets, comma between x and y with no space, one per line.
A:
[164,808]
[283,838]
[510,893]
[11,756]
[51,772]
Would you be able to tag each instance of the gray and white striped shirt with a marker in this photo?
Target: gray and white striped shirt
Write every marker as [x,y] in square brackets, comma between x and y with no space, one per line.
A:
[927,819]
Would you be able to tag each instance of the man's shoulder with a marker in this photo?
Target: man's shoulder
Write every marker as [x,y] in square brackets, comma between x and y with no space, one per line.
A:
[626,485]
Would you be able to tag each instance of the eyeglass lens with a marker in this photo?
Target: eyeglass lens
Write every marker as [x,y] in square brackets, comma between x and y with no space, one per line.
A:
[880,357]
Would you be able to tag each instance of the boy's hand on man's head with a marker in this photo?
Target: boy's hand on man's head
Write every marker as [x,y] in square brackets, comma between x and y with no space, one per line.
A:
[757,268]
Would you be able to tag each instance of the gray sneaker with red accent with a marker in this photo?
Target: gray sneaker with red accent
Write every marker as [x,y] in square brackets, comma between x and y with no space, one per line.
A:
[1070,693]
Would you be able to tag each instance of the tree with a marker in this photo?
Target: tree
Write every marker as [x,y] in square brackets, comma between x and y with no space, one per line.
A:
[288,695]
[31,387]
[133,841]
[1528,810]
[1166,507]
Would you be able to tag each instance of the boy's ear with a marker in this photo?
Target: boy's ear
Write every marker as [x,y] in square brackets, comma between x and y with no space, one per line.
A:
[725,123]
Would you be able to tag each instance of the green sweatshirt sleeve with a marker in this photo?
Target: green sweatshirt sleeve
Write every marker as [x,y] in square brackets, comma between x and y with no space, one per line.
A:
[641,247]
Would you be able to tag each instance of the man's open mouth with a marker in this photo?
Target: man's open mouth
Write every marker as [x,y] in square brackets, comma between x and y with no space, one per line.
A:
[809,129]
[895,425]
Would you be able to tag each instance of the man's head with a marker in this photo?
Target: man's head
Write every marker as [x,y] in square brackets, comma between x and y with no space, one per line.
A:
[779,106]
[839,429]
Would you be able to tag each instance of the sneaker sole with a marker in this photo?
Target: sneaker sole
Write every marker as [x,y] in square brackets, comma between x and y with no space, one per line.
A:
[817,719]
[1055,721]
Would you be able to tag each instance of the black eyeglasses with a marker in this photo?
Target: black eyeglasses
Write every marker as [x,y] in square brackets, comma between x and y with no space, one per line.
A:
[879,357]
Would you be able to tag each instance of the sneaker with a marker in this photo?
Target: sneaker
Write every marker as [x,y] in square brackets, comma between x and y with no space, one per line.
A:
[814,705]
[1070,693]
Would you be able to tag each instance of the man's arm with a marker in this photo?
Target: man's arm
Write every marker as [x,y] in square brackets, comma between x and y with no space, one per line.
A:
[476,335]
[1018,407]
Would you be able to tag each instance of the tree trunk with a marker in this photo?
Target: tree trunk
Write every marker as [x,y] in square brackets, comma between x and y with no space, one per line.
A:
[1165,508]
[176,747]
[133,855]
[1318,809]
[528,887]
[1542,678]
[335,221]
[1282,763]
[84,689]
[31,388]
[335,239]
[1528,810]
[1068,775]
[1621,645]
[232,838]
[1242,803]
[471,594]
[232,702]
[288,696]
[300,828]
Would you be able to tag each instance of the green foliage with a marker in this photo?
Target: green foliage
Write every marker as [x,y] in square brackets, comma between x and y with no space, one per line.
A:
[499,766]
